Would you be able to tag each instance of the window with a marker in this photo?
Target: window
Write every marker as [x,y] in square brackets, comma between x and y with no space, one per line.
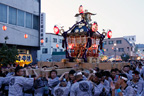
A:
[41,26]
[128,48]
[22,51]
[35,22]
[28,20]
[3,13]
[41,30]
[37,0]
[20,18]
[104,42]
[121,49]
[44,50]
[60,40]
[61,50]
[110,42]
[46,40]
[106,49]
[54,50]
[118,41]
[12,16]
[42,34]
[54,40]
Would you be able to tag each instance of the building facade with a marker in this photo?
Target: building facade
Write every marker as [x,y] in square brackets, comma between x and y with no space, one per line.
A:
[21,17]
[53,43]
[118,46]
[140,50]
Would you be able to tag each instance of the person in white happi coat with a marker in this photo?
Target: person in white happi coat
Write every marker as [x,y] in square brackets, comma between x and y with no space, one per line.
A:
[99,88]
[1,82]
[41,84]
[62,89]
[126,70]
[114,77]
[139,68]
[121,88]
[105,83]
[17,83]
[137,83]
[71,76]
[81,87]
[53,81]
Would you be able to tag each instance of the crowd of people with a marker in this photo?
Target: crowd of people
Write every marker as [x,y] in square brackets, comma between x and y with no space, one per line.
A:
[128,81]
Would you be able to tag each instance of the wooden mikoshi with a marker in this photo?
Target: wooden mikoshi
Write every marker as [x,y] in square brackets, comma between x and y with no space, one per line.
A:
[83,41]
[77,44]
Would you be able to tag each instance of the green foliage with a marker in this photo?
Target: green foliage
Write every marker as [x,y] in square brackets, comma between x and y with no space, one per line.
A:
[8,55]
[125,57]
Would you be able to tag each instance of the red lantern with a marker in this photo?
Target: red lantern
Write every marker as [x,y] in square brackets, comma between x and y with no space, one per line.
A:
[57,45]
[4,28]
[71,46]
[42,41]
[81,9]
[109,34]
[25,36]
[94,27]
[56,30]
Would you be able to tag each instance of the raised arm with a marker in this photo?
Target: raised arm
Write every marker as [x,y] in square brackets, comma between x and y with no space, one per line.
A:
[27,73]
[37,76]
[61,78]
[116,87]
[90,76]
[35,73]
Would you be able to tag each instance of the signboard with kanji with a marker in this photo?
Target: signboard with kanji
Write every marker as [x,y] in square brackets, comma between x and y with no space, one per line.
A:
[42,29]
[24,59]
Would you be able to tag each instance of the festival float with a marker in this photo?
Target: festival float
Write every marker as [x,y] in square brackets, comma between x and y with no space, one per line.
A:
[83,41]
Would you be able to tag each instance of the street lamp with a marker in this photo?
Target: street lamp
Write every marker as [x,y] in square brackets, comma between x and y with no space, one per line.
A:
[6,38]
[115,50]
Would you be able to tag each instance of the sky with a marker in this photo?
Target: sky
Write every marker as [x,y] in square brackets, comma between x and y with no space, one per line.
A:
[123,17]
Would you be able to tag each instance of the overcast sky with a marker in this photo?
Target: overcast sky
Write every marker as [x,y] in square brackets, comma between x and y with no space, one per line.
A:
[123,17]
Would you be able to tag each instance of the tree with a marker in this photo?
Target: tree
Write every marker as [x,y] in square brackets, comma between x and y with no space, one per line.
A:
[8,55]
[125,57]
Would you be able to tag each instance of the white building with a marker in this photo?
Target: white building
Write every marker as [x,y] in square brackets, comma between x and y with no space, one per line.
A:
[21,17]
[131,40]
[53,43]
